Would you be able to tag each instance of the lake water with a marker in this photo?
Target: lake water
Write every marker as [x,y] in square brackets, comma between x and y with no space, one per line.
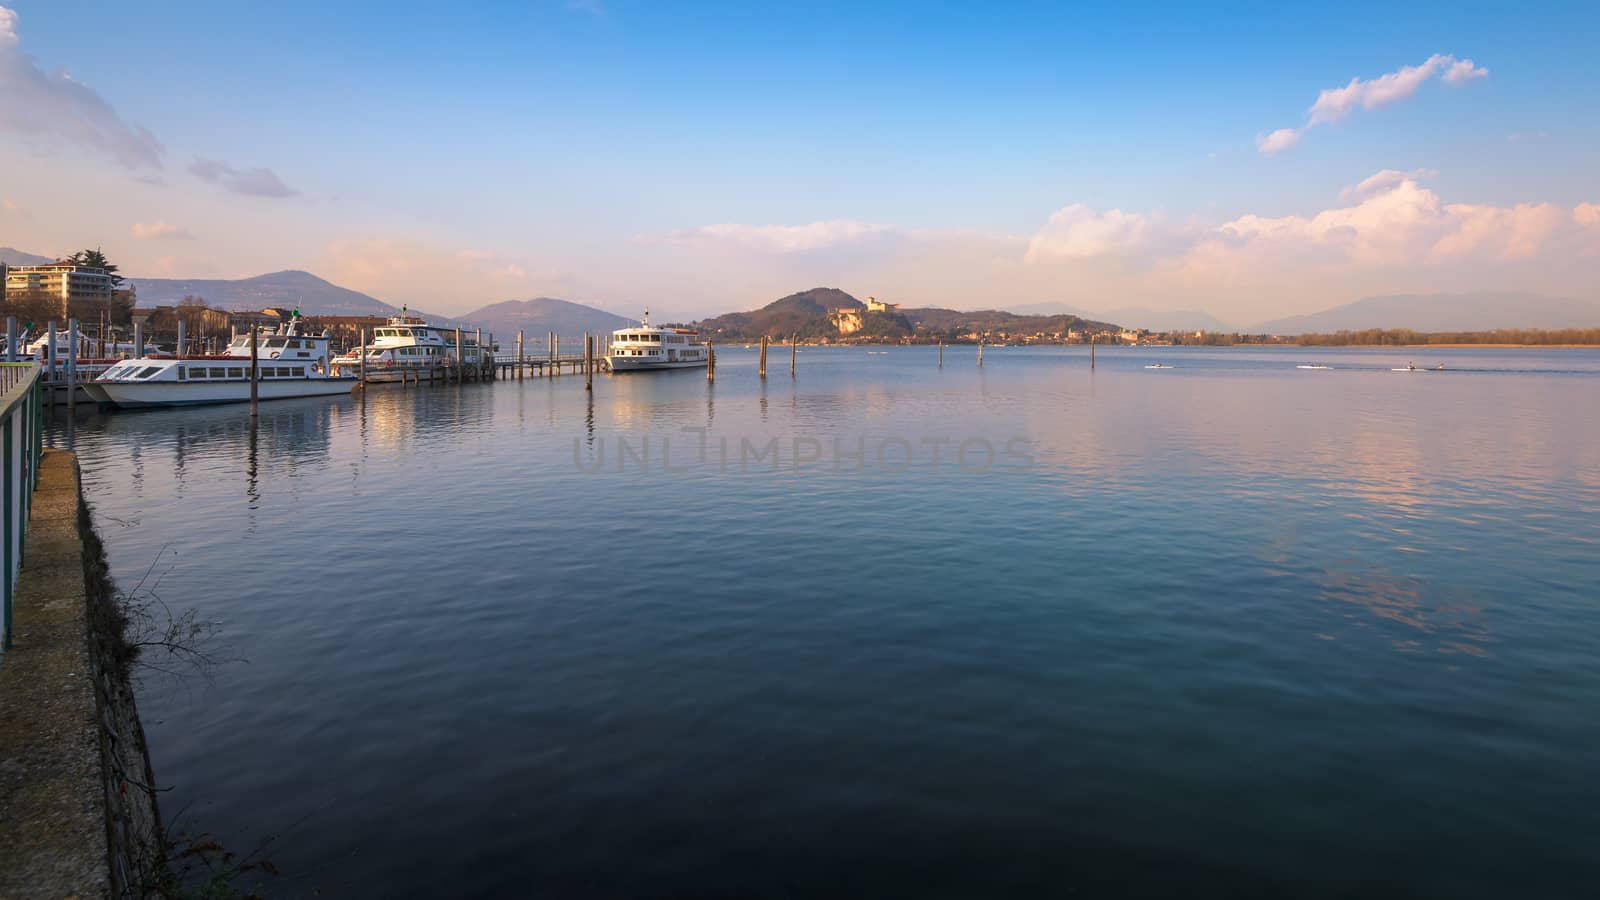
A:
[1229,629]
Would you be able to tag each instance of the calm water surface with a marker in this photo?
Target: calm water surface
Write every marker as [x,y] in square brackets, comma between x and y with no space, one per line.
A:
[1227,629]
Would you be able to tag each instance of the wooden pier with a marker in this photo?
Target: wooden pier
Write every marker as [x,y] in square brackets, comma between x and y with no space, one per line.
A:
[500,368]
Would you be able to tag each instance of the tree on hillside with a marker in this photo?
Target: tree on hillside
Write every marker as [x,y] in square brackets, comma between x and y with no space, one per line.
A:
[98,260]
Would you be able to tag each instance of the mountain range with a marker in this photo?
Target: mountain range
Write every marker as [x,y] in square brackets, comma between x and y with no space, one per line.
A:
[1481,311]
[541,315]
[13,257]
[292,289]
[808,314]
[1135,317]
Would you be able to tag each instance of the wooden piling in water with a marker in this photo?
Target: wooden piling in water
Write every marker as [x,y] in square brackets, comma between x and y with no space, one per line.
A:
[980,353]
[255,369]
[794,349]
[941,354]
[711,361]
[763,356]
[1091,351]
[461,359]
[588,362]
[519,354]
[72,364]
[50,363]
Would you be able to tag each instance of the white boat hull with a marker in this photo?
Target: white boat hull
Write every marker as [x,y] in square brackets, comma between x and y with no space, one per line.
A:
[194,393]
[642,364]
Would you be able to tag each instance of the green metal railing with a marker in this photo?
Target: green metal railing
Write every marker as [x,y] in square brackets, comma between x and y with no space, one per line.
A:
[21,445]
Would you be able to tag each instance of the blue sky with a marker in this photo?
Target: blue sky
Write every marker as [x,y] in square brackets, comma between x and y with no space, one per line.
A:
[954,154]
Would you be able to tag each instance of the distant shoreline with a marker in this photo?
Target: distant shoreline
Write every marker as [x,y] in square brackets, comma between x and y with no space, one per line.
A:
[1434,346]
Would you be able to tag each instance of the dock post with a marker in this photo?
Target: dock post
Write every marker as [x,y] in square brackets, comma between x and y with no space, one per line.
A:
[763,356]
[711,361]
[138,340]
[794,349]
[980,353]
[72,363]
[11,338]
[50,362]
[588,362]
[461,360]
[941,354]
[361,358]
[549,351]
[1091,351]
[182,332]
[255,368]
[519,354]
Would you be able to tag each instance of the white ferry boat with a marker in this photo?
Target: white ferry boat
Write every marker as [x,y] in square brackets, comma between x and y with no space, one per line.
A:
[405,344]
[290,365]
[648,347]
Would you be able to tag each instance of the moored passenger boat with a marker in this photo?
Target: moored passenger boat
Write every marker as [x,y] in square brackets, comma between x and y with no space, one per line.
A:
[406,344]
[290,364]
[648,347]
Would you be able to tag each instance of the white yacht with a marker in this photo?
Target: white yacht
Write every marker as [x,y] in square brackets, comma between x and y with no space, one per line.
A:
[290,365]
[407,343]
[648,347]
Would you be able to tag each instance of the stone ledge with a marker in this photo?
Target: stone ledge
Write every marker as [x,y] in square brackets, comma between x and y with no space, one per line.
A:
[53,839]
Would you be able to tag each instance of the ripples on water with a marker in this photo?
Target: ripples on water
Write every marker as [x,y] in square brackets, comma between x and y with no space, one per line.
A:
[1236,629]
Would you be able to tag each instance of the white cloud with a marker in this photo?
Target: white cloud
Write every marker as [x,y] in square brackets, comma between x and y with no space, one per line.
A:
[1463,71]
[1079,232]
[52,107]
[775,239]
[1278,141]
[1394,223]
[256,182]
[1383,182]
[1336,104]
[160,231]
[1390,233]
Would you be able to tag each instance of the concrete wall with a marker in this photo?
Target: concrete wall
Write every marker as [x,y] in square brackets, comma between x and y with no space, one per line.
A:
[77,816]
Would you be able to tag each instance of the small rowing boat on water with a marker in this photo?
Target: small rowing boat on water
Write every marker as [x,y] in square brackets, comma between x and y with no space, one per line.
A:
[1160,366]
[1314,366]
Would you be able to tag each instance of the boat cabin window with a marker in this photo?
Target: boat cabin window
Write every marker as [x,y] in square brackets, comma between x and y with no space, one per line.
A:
[236,373]
[219,373]
[299,371]
[148,371]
